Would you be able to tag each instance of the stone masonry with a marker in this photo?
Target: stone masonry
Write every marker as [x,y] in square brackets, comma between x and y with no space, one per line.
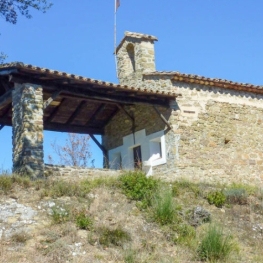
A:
[217,133]
[27,121]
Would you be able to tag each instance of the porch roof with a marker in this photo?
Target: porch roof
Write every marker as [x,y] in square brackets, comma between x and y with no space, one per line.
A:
[73,103]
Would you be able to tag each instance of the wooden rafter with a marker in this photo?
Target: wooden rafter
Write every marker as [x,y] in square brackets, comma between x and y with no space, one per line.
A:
[76,112]
[162,117]
[49,100]
[97,111]
[6,99]
[54,112]
[71,128]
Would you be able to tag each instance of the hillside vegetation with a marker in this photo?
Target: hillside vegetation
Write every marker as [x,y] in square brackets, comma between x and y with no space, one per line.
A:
[130,219]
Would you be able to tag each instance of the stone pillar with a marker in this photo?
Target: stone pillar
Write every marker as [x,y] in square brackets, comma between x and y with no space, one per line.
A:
[28,155]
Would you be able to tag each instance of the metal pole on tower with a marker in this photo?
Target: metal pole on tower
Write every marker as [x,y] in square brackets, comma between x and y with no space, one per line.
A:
[116,5]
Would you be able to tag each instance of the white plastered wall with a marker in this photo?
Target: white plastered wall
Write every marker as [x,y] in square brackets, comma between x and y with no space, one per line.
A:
[153,151]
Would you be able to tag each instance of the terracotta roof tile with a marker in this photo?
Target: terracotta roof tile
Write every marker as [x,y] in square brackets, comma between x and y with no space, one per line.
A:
[215,82]
[53,73]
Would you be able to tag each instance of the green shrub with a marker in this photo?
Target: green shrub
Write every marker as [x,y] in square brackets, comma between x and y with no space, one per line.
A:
[164,209]
[60,215]
[83,221]
[217,198]
[215,246]
[236,196]
[114,237]
[138,187]
[182,233]
[5,183]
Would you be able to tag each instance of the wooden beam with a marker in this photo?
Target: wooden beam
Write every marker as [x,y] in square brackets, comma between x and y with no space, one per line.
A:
[116,99]
[71,128]
[126,112]
[54,112]
[49,100]
[76,112]
[97,111]
[111,116]
[5,99]
[162,117]
[105,152]
[6,85]
[4,72]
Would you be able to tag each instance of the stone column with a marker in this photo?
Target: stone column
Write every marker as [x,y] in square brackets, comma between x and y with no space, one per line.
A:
[28,155]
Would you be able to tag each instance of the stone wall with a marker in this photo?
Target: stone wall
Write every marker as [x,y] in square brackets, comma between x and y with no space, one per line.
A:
[121,125]
[216,135]
[75,173]
[27,122]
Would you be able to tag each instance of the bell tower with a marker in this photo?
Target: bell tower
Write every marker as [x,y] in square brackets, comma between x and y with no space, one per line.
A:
[135,55]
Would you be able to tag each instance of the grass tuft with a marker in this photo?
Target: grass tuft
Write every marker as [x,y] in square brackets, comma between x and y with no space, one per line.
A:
[215,246]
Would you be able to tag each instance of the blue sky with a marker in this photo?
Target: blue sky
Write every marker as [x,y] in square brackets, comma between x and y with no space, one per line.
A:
[212,38]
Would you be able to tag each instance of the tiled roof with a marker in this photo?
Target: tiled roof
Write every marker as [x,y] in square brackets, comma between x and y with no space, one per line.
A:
[54,73]
[136,35]
[215,82]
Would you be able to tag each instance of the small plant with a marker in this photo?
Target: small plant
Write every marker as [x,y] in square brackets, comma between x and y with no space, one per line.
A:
[114,237]
[130,256]
[236,196]
[5,184]
[139,187]
[20,237]
[83,221]
[178,186]
[182,233]
[164,209]
[215,245]
[217,198]
[59,215]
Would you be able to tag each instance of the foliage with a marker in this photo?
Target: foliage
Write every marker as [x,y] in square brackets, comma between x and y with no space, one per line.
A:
[182,233]
[236,196]
[2,57]
[83,221]
[9,9]
[217,198]
[138,187]
[164,208]
[75,152]
[59,214]
[180,185]
[5,183]
[114,237]
[215,246]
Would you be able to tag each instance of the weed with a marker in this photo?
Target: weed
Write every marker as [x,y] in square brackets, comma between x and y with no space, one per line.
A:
[236,196]
[130,256]
[138,187]
[20,237]
[114,237]
[5,184]
[215,246]
[164,209]
[182,233]
[178,186]
[60,215]
[217,198]
[83,221]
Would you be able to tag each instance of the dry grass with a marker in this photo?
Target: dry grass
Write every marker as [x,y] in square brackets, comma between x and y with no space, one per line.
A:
[104,204]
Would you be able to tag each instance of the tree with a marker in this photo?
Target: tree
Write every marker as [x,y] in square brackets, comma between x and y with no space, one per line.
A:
[9,10]
[75,152]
